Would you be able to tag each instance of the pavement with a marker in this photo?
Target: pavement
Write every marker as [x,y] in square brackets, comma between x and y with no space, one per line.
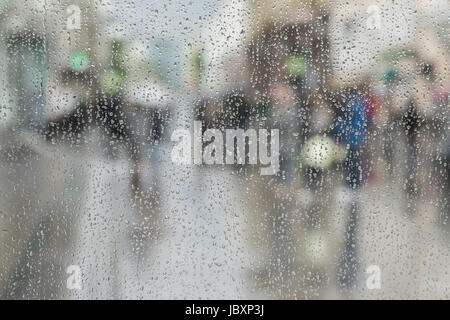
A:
[65,205]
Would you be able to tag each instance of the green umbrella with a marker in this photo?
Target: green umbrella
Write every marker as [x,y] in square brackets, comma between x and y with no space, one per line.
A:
[78,60]
[296,65]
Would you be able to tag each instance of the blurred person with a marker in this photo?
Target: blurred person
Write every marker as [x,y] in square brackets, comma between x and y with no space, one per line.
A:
[24,46]
[320,156]
[402,121]
[432,98]
[287,68]
[353,112]
[429,103]
[109,110]
[291,66]
[444,155]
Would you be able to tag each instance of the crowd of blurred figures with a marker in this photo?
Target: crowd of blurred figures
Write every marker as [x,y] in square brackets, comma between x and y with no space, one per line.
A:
[362,111]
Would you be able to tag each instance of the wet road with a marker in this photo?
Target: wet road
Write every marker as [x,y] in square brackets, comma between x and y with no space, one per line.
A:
[185,237]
